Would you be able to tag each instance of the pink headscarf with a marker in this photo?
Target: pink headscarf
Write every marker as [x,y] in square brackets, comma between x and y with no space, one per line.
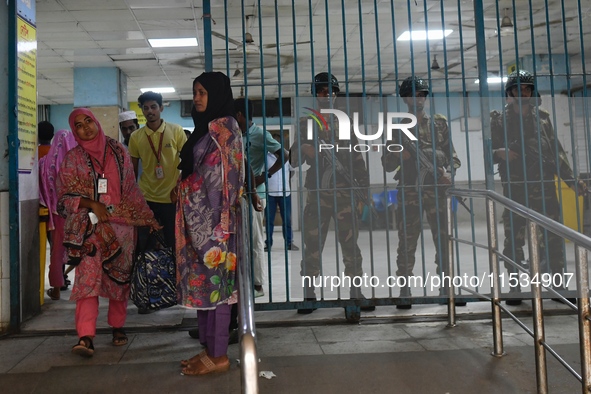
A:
[96,149]
[96,146]
[49,167]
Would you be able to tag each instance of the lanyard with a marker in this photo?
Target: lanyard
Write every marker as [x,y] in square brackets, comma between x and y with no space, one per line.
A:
[102,167]
[159,154]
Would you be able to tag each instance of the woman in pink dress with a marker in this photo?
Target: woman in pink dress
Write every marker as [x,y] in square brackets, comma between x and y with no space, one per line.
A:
[49,166]
[102,204]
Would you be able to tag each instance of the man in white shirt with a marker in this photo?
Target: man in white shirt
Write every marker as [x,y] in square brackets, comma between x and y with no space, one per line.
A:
[279,192]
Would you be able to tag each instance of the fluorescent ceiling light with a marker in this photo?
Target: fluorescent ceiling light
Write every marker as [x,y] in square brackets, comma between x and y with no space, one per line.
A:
[493,80]
[158,90]
[172,42]
[422,35]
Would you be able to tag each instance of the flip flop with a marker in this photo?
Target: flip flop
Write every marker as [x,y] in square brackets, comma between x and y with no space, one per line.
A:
[205,366]
[119,337]
[84,347]
[194,359]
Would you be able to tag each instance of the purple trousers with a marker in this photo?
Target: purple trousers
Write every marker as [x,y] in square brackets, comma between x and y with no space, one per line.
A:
[214,329]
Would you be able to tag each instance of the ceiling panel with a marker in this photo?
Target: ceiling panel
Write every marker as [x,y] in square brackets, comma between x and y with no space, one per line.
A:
[58,16]
[84,32]
[169,14]
[102,15]
[141,4]
[76,5]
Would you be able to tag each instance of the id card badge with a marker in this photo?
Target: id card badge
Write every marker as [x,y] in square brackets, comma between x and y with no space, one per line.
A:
[159,172]
[102,186]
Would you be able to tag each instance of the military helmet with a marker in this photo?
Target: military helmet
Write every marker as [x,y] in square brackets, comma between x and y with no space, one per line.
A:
[324,79]
[420,85]
[520,77]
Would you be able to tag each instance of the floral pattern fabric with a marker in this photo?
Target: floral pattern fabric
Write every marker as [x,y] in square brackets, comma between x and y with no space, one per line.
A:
[207,219]
[108,246]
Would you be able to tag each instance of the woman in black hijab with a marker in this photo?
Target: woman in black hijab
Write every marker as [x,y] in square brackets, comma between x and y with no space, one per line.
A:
[209,192]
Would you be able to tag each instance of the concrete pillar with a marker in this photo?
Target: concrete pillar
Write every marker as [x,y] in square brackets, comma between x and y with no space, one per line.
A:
[19,189]
[104,91]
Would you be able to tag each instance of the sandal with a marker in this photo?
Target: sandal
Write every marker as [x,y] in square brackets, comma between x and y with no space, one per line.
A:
[50,293]
[119,337]
[194,359]
[84,347]
[205,365]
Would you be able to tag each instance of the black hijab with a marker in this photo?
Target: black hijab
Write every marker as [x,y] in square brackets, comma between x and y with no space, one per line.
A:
[220,103]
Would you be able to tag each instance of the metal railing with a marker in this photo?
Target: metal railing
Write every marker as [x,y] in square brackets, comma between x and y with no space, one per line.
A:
[582,244]
[248,349]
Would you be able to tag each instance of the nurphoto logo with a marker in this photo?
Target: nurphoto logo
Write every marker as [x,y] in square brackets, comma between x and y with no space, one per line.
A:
[344,128]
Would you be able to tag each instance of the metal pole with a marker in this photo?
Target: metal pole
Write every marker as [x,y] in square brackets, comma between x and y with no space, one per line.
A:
[451,305]
[248,351]
[207,36]
[539,337]
[495,289]
[483,89]
[582,271]
[13,194]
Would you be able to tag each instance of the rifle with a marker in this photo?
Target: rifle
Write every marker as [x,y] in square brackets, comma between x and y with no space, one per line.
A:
[426,168]
[342,171]
[549,164]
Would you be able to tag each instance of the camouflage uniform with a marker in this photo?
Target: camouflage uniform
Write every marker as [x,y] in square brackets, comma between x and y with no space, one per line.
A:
[528,183]
[412,196]
[328,200]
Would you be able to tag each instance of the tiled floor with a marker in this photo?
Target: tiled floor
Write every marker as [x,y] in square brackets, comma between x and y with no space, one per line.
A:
[389,350]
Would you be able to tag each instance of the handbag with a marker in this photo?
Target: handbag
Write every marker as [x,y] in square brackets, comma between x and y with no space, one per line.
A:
[153,282]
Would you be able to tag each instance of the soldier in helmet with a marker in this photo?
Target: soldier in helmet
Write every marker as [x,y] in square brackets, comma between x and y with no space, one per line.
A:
[328,197]
[415,194]
[525,147]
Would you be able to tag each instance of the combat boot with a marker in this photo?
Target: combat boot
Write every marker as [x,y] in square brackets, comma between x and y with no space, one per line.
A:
[309,295]
[355,294]
[515,300]
[405,293]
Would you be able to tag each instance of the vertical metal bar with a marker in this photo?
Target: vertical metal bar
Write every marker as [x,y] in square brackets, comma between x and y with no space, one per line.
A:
[13,195]
[584,313]
[207,36]
[484,98]
[494,269]
[248,352]
[451,305]
[538,314]
[227,46]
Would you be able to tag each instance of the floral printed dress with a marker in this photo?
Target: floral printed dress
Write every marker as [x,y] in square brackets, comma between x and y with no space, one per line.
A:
[207,219]
[106,270]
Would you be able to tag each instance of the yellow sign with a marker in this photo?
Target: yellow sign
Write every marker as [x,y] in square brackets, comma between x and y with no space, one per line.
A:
[27,95]
[138,111]
[511,68]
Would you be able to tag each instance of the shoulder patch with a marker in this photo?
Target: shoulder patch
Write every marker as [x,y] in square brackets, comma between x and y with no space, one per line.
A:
[543,113]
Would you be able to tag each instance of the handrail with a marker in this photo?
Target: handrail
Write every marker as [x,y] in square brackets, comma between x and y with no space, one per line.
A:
[549,224]
[583,245]
[248,350]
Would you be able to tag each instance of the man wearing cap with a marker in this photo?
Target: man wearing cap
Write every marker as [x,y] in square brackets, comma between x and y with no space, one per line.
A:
[157,145]
[128,123]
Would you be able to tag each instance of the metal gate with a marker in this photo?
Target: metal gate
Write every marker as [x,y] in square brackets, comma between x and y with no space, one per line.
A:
[273,51]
